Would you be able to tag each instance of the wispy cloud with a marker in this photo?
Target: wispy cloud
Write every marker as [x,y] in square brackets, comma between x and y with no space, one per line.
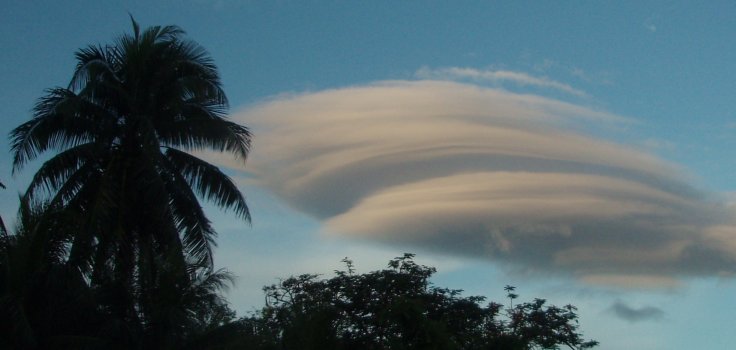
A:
[651,23]
[631,314]
[495,76]
[483,172]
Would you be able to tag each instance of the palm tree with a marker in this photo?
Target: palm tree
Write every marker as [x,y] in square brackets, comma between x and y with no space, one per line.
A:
[45,302]
[48,304]
[124,129]
[183,315]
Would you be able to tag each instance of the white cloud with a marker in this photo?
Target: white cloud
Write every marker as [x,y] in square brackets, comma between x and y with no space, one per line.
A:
[482,172]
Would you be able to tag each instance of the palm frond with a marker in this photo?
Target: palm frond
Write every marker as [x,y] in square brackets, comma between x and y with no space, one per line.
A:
[55,172]
[193,60]
[209,181]
[135,25]
[158,34]
[158,218]
[203,129]
[198,234]
[61,119]
[212,282]
[94,64]
[95,198]
[84,176]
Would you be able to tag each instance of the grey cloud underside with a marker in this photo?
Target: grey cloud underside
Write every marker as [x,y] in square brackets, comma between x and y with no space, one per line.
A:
[338,190]
[628,313]
[485,172]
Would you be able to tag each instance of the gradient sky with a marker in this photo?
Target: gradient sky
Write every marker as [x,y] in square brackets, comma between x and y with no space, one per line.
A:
[581,151]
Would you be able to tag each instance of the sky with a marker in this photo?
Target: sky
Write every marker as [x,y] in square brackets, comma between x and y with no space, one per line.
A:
[580,151]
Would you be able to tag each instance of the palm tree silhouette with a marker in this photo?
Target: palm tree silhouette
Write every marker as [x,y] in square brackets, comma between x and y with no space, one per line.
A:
[124,129]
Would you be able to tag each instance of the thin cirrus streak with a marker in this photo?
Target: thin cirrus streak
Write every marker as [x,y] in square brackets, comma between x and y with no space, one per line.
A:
[495,76]
[483,172]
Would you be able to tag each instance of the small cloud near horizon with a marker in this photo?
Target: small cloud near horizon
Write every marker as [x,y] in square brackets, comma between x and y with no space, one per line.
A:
[631,314]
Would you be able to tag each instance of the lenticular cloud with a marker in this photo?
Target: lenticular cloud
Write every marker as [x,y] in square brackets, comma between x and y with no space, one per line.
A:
[482,172]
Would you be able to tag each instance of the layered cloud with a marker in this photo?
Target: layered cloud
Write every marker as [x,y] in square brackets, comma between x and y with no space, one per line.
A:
[481,172]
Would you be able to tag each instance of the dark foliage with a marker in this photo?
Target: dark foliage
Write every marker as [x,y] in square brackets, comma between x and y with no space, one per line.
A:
[121,228]
[48,303]
[397,308]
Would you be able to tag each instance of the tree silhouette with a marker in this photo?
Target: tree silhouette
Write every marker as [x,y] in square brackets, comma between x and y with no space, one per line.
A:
[123,131]
[397,308]
[3,229]
[45,303]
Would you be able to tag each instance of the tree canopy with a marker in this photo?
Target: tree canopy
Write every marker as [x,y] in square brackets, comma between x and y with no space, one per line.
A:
[398,308]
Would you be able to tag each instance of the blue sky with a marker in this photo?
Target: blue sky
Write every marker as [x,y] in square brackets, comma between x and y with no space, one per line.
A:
[581,151]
